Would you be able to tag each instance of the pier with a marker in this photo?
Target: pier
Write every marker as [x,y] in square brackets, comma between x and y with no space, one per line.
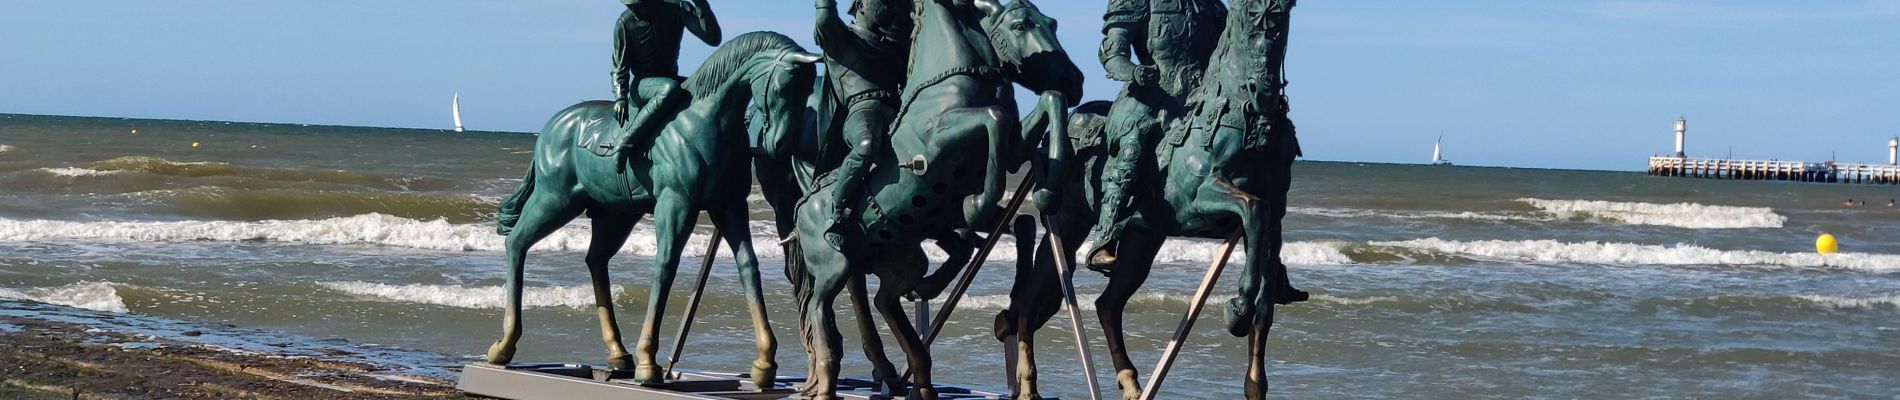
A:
[1773,170]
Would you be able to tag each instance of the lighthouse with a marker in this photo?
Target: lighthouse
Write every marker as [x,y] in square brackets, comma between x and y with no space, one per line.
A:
[1893,151]
[1682,129]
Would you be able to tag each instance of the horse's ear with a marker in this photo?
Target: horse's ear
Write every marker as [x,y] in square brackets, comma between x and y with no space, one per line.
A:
[801,57]
[989,7]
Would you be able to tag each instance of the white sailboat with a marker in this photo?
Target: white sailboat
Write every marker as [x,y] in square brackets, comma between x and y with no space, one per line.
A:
[455,108]
[1438,153]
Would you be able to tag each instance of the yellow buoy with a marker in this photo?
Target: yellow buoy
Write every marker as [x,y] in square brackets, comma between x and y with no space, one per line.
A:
[1826,244]
[194,144]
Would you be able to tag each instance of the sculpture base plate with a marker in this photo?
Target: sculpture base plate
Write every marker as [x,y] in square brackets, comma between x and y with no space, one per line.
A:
[574,381]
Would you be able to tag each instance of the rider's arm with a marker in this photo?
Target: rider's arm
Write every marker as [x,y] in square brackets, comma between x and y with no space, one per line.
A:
[701,21]
[830,30]
[1123,25]
[623,70]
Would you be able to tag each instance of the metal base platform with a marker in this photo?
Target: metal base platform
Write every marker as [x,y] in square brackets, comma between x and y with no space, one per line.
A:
[572,381]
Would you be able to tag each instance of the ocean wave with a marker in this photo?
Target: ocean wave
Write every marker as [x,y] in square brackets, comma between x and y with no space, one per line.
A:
[75,172]
[439,234]
[1555,252]
[261,204]
[5,148]
[1853,302]
[1680,215]
[483,297]
[99,296]
[201,169]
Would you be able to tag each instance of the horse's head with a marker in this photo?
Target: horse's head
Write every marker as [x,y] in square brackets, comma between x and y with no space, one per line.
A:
[1026,44]
[780,97]
[765,70]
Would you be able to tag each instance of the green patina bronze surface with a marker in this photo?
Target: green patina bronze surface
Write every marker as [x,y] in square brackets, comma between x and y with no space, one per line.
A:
[897,153]
[697,163]
[1212,140]
[951,141]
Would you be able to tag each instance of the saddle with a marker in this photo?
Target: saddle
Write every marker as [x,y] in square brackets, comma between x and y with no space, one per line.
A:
[601,142]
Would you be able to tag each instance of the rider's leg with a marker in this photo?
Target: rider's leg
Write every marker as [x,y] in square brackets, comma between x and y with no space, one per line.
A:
[1128,121]
[657,96]
[865,130]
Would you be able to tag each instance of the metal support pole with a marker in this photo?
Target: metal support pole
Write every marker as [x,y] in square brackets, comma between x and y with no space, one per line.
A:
[692,303]
[1075,313]
[976,264]
[1187,322]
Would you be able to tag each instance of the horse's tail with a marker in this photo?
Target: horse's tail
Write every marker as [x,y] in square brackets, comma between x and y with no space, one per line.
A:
[510,210]
[795,271]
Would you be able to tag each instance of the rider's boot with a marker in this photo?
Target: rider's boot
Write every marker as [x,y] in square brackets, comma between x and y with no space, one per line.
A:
[849,176]
[1115,208]
[646,122]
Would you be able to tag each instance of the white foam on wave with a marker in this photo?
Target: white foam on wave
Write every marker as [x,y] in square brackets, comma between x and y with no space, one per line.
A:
[1555,252]
[482,297]
[5,148]
[1853,302]
[1351,301]
[1680,215]
[99,296]
[76,172]
[386,230]
[1364,213]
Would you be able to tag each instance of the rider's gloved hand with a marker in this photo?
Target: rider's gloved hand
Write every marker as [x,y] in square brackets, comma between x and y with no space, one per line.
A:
[620,110]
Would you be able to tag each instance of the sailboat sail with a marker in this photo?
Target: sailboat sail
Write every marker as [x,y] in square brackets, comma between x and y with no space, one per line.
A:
[455,108]
[1438,155]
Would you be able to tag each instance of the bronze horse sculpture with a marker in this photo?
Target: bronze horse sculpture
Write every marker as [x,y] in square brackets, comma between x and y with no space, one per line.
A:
[1225,166]
[955,140]
[698,162]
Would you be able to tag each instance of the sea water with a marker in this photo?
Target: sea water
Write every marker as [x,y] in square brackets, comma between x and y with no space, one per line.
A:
[1428,282]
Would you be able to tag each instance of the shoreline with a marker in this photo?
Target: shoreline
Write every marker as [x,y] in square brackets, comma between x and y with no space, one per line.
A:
[57,352]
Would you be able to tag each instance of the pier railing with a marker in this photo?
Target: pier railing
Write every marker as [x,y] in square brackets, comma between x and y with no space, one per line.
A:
[1774,170]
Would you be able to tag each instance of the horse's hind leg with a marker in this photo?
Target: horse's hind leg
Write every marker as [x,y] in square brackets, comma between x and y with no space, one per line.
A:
[544,213]
[881,369]
[731,221]
[893,282]
[673,223]
[827,270]
[1031,304]
[1282,181]
[1138,249]
[610,231]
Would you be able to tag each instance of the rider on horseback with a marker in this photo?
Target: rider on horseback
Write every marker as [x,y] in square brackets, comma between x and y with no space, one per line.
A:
[866,61]
[646,61]
[1172,40]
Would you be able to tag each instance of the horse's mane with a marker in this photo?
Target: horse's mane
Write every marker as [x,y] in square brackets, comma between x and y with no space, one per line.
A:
[731,57]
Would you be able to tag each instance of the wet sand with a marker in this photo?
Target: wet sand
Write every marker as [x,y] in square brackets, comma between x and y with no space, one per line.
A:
[52,355]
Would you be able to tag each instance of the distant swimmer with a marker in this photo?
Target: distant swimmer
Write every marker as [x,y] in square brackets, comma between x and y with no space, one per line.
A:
[1889,203]
[1848,203]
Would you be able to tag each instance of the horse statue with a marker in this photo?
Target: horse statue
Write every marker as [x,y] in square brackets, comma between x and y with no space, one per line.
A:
[1223,166]
[954,142]
[698,162]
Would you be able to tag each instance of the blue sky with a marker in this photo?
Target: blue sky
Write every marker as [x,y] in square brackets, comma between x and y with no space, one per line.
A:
[1592,84]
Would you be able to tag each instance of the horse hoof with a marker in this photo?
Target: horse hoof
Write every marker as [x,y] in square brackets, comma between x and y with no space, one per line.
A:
[1129,383]
[1289,295]
[925,393]
[835,240]
[649,375]
[500,354]
[765,377]
[619,362]
[1239,317]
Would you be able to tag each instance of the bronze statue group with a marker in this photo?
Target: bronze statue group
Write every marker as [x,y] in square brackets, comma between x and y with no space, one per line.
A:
[906,148]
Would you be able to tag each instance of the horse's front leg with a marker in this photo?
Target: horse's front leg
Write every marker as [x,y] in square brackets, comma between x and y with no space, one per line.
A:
[731,220]
[981,209]
[1138,249]
[897,276]
[673,223]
